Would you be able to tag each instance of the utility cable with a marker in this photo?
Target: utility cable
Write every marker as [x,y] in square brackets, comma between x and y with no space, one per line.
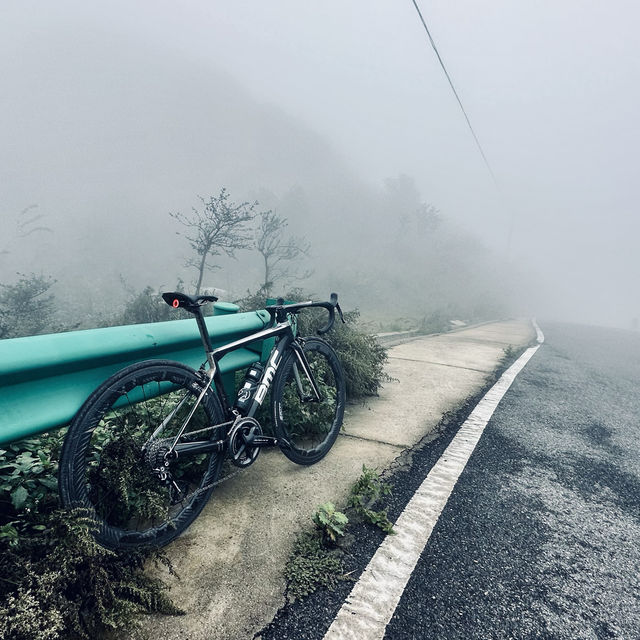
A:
[455,93]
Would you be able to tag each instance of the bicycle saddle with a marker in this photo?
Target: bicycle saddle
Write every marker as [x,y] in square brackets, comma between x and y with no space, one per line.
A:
[176,300]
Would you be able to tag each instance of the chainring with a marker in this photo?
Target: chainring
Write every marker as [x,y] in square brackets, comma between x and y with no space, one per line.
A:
[241,452]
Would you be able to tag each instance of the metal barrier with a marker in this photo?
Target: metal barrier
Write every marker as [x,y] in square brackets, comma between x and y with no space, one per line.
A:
[45,379]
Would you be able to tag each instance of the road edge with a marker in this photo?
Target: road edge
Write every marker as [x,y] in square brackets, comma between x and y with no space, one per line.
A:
[369,607]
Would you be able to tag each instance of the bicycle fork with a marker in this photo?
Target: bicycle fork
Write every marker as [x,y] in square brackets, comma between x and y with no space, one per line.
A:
[304,363]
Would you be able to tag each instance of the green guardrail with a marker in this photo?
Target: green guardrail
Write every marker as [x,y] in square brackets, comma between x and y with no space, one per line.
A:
[45,379]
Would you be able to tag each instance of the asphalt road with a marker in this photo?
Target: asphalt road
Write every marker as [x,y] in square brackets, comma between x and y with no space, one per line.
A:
[540,537]
[229,565]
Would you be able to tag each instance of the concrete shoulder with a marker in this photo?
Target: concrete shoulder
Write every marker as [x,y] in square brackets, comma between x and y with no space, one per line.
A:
[236,550]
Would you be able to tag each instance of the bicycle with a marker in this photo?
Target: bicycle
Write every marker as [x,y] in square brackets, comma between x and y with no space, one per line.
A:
[145,451]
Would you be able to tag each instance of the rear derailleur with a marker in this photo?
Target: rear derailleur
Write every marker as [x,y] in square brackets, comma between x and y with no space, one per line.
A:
[158,456]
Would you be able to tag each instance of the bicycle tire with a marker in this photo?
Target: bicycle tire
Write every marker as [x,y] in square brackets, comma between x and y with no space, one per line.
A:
[307,429]
[108,456]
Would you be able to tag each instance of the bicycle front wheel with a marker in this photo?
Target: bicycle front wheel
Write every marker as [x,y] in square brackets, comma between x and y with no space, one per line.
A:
[114,455]
[308,426]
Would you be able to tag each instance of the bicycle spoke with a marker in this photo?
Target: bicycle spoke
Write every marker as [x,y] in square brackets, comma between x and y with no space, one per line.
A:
[138,490]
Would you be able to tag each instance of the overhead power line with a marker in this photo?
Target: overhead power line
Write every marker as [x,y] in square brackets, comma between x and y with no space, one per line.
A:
[455,93]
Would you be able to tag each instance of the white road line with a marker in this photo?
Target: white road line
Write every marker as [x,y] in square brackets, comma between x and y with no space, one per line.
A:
[539,334]
[373,599]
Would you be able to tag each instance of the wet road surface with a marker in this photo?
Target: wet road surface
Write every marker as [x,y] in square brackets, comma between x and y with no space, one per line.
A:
[541,535]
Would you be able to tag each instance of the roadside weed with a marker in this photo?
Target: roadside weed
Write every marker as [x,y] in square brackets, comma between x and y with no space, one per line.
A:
[330,522]
[311,566]
[367,490]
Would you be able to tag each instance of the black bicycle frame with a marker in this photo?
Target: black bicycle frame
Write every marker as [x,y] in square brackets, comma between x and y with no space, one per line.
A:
[284,332]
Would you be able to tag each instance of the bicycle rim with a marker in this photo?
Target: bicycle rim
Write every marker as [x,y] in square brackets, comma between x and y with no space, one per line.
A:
[120,442]
[308,426]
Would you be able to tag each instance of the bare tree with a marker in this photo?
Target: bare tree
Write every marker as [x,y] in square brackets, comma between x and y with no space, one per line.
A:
[415,217]
[427,218]
[26,224]
[220,227]
[276,249]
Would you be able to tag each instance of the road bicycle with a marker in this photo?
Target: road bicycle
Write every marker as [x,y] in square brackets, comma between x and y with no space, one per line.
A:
[145,451]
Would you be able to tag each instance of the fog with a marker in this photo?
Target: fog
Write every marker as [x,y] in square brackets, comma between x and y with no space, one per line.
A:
[338,116]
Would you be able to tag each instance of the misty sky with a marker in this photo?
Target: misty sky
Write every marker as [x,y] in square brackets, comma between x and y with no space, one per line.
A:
[552,90]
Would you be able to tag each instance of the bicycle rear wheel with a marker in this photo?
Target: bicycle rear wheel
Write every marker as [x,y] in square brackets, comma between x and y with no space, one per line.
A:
[307,426]
[117,442]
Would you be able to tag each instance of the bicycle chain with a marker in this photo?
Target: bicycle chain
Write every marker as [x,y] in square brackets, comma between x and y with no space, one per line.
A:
[195,433]
[217,482]
[221,480]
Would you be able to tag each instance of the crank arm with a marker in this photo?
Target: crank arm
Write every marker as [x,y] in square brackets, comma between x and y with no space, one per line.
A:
[204,446]
[264,441]
[257,442]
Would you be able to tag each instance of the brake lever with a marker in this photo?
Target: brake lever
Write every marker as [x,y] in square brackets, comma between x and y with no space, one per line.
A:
[340,313]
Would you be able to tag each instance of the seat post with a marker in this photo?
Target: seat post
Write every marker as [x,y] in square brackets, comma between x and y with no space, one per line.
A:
[202,326]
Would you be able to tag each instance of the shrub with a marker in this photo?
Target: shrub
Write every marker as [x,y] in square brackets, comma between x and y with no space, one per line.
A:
[56,581]
[27,307]
[81,587]
[436,322]
[362,357]
[148,306]
[252,301]
[28,485]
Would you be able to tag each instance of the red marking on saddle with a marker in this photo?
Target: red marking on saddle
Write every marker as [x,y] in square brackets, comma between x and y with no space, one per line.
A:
[176,303]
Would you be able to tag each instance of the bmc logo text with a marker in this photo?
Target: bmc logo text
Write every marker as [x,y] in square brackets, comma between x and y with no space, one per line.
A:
[268,377]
